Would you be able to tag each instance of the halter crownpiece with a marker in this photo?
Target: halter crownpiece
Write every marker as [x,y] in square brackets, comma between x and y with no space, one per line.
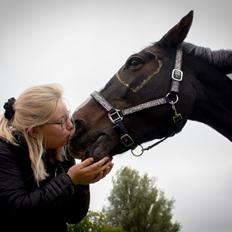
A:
[9,109]
[116,116]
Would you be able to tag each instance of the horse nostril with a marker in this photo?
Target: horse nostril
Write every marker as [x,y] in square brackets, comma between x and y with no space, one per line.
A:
[79,125]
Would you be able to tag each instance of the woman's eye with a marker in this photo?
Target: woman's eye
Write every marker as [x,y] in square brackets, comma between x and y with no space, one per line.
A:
[134,62]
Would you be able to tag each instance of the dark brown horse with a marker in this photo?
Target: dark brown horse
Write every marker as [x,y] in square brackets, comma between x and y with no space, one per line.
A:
[154,94]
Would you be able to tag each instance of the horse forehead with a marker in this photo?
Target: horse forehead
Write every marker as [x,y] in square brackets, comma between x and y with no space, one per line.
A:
[157,50]
[83,104]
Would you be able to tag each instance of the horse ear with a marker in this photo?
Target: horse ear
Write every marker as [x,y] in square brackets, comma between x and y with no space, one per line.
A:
[178,33]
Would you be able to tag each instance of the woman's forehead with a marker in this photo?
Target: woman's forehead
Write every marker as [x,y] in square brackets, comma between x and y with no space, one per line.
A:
[61,110]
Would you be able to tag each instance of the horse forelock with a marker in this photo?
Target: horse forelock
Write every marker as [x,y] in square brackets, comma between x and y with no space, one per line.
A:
[221,59]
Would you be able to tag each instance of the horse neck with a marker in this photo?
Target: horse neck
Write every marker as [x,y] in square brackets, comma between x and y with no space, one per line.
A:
[213,104]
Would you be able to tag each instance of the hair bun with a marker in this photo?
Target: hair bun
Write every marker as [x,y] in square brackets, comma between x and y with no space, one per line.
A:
[9,109]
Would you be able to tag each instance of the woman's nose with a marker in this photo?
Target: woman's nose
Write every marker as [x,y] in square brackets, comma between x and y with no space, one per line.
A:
[69,124]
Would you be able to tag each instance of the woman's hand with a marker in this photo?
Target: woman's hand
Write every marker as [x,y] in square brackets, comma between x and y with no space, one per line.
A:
[88,172]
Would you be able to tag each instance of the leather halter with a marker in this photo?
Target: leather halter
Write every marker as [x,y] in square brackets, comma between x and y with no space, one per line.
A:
[116,115]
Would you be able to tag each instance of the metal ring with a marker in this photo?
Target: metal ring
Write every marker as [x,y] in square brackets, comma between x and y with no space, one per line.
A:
[169,100]
[140,153]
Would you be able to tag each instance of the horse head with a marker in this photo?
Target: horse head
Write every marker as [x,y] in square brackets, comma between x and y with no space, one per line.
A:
[151,97]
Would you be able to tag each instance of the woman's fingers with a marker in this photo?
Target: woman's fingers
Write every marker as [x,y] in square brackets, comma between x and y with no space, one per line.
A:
[89,172]
[103,172]
[102,161]
[98,177]
[87,162]
[108,169]
[98,166]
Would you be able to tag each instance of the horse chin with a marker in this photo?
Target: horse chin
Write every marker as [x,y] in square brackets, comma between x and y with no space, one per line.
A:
[100,148]
[75,153]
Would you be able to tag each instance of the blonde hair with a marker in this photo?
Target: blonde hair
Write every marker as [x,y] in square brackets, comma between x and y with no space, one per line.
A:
[34,107]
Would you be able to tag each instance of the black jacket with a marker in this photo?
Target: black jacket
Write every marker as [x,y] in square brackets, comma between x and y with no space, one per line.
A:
[26,207]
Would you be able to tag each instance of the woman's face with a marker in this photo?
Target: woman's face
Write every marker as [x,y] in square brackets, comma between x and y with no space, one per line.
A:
[57,131]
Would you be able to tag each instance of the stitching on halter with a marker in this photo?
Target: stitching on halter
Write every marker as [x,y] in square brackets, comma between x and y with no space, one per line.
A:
[144,82]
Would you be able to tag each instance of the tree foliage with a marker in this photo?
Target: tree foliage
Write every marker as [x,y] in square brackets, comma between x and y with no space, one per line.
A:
[137,205]
[94,222]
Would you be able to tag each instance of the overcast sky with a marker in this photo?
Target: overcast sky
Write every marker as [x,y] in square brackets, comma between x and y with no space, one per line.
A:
[81,44]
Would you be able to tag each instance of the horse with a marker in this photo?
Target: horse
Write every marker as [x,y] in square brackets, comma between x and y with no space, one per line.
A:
[153,95]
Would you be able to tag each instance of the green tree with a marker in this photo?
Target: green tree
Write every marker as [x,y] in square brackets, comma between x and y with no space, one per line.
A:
[137,205]
[94,222]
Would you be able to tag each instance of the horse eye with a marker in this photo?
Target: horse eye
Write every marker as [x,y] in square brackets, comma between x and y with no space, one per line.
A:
[135,62]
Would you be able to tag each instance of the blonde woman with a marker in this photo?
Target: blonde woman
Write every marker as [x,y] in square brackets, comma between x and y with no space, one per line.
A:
[41,187]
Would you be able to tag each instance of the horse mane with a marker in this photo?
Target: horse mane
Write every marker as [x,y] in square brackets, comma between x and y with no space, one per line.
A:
[222,58]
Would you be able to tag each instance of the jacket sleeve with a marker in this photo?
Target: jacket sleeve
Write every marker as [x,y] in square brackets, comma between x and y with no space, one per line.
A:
[79,200]
[55,196]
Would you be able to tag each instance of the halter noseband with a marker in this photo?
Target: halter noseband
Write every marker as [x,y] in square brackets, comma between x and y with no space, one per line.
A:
[116,116]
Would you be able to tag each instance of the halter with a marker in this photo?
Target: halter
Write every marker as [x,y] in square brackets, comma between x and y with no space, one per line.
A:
[116,115]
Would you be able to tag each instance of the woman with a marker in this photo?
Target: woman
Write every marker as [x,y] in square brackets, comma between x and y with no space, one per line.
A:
[41,187]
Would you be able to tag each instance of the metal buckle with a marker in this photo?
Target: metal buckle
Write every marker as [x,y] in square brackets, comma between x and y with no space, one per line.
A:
[115,115]
[127,140]
[177,74]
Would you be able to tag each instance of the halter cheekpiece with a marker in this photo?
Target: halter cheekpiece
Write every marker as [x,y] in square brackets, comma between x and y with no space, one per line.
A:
[116,115]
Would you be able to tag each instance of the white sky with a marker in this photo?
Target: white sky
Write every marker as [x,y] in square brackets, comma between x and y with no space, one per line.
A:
[81,44]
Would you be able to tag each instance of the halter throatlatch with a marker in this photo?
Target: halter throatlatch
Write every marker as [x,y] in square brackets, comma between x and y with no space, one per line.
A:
[116,116]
